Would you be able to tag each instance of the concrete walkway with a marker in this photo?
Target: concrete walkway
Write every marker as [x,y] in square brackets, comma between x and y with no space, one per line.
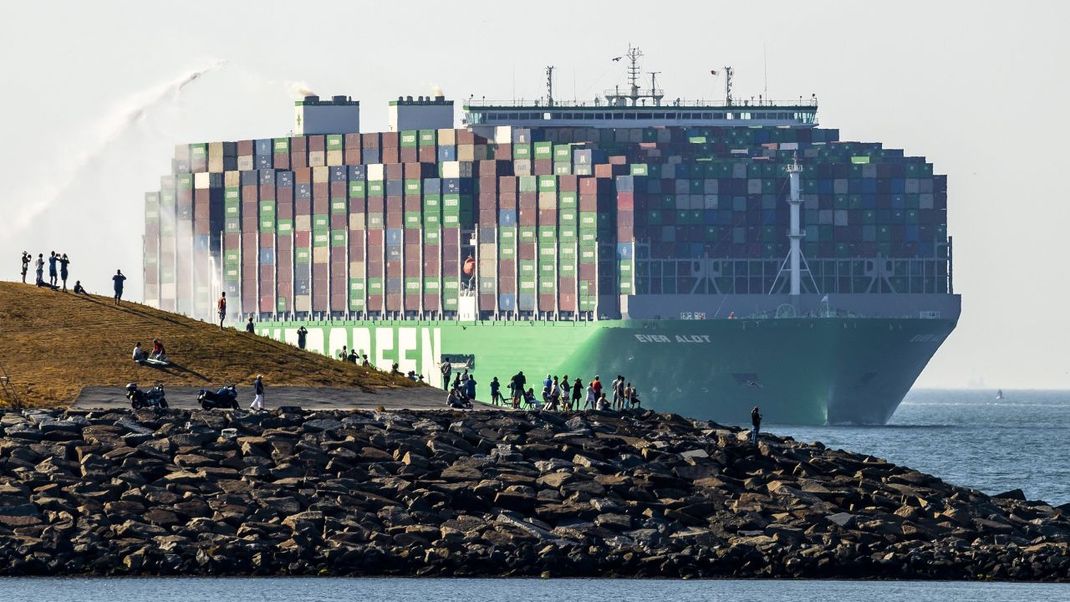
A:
[310,398]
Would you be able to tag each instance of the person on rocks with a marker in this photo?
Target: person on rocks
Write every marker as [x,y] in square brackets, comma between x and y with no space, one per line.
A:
[633,401]
[496,392]
[258,394]
[530,400]
[250,327]
[118,279]
[566,394]
[546,384]
[352,356]
[626,396]
[756,422]
[597,384]
[456,381]
[603,404]
[553,398]
[592,398]
[446,368]
[470,388]
[39,265]
[457,400]
[302,337]
[618,392]
[221,307]
[577,393]
[25,265]
[79,289]
[63,273]
[139,354]
[52,269]
[517,384]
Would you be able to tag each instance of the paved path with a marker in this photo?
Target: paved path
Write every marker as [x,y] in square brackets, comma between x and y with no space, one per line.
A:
[310,398]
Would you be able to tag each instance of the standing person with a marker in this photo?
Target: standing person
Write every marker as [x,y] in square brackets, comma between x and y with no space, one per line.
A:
[577,393]
[40,265]
[250,327]
[52,269]
[596,384]
[626,399]
[520,381]
[566,394]
[25,265]
[352,359]
[118,279]
[258,393]
[495,391]
[344,353]
[756,422]
[470,388]
[63,263]
[618,392]
[364,361]
[302,337]
[446,368]
[592,397]
[221,307]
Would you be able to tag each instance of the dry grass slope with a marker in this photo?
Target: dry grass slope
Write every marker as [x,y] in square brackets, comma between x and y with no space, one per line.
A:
[52,344]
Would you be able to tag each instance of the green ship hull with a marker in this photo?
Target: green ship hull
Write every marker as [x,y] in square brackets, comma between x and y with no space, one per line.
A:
[812,371]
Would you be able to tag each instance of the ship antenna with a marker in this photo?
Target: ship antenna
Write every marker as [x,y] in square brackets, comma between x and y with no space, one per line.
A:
[633,72]
[549,85]
[728,86]
[654,87]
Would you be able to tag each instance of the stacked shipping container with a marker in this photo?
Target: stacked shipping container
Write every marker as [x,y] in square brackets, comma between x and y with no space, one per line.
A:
[550,221]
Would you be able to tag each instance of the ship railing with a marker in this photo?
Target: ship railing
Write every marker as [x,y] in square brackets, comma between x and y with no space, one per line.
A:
[736,104]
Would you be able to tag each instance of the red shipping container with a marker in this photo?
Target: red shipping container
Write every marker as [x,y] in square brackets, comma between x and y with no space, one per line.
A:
[375,302]
[393,302]
[543,167]
[587,271]
[302,239]
[352,156]
[316,142]
[547,301]
[298,160]
[503,152]
[267,240]
[281,161]
[285,289]
[339,302]
[369,140]
[408,154]
[389,155]
[390,139]
[248,296]
[526,252]
[465,137]
[567,183]
[303,175]
[567,302]
[428,154]
[431,302]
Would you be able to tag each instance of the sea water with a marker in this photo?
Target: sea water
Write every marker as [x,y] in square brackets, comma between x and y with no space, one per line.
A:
[968,438]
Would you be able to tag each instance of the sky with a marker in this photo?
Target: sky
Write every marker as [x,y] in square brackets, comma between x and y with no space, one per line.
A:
[97,95]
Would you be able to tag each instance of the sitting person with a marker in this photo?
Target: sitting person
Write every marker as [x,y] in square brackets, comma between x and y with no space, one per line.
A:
[602,405]
[79,289]
[457,400]
[529,398]
[139,354]
[158,352]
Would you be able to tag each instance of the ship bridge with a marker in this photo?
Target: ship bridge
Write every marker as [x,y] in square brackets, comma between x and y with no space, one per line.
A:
[679,113]
[637,107]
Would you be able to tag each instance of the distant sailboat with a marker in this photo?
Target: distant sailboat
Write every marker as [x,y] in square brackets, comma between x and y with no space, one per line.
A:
[999,394]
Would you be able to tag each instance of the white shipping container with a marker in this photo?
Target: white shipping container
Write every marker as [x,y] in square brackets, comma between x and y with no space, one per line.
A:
[375,172]
[451,169]
[201,180]
[302,223]
[503,134]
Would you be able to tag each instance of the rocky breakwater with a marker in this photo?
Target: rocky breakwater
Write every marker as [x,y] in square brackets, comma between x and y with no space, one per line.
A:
[487,493]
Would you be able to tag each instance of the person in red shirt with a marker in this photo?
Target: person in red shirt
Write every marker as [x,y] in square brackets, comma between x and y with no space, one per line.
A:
[596,384]
[222,306]
[158,352]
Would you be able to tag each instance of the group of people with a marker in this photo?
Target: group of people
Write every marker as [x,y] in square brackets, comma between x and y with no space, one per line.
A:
[345,355]
[58,271]
[463,390]
[561,394]
[158,352]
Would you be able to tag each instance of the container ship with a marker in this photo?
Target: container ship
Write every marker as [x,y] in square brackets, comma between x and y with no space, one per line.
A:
[718,255]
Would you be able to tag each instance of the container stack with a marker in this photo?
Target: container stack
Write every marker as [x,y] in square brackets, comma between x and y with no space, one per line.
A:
[554,221]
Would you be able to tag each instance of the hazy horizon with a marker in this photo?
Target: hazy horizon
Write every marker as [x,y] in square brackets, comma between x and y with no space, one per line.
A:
[99,94]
